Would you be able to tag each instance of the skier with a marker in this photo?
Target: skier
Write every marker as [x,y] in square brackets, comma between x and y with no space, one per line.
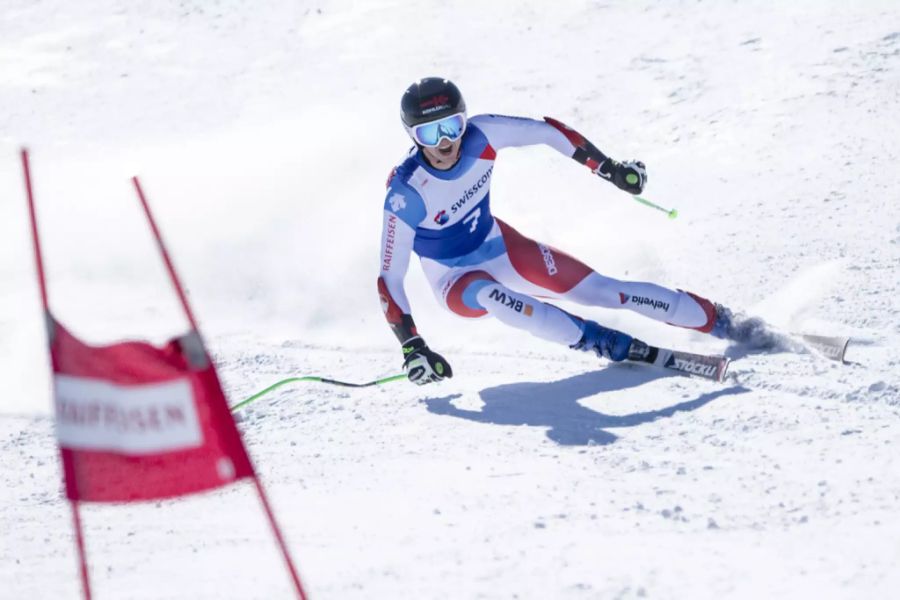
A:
[438,206]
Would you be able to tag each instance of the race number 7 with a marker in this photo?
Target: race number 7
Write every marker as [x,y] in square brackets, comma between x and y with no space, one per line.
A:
[474,218]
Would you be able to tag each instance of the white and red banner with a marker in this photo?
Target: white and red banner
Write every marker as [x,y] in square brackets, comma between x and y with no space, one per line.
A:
[136,422]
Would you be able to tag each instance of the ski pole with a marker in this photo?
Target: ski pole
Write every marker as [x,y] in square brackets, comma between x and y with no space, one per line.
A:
[672,213]
[278,384]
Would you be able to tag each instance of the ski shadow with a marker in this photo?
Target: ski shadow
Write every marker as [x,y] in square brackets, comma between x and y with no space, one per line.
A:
[555,405]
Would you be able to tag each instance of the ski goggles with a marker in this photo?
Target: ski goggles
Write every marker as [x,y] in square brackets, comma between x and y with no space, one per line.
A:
[431,134]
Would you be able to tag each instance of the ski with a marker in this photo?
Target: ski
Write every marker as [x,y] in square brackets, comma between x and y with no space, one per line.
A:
[707,366]
[832,347]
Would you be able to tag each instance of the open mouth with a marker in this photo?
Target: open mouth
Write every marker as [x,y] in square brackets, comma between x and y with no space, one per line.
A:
[446,150]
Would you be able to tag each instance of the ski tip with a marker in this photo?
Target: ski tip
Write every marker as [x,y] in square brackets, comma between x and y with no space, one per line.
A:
[843,357]
[832,347]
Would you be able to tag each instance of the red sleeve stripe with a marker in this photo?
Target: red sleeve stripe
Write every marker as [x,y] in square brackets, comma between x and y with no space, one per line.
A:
[489,153]
[573,136]
[392,311]
[390,178]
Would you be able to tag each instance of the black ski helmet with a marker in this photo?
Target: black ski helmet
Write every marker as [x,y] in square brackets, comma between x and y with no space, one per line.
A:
[430,99]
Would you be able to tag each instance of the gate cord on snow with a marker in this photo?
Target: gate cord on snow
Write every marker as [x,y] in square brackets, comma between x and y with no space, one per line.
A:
[278,384]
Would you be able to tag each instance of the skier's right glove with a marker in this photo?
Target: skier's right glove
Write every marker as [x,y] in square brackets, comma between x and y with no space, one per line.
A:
[630,175]
[422,365]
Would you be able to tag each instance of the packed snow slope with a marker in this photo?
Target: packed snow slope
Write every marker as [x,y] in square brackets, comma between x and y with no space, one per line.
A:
[263,133]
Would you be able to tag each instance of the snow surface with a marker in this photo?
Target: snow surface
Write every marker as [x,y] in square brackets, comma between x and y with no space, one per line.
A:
[263,133]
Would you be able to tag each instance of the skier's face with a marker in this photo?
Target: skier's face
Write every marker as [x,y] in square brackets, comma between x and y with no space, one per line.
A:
[444,155]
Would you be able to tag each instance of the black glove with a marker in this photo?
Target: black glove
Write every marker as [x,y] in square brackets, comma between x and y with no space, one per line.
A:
[630,175]
[422,365]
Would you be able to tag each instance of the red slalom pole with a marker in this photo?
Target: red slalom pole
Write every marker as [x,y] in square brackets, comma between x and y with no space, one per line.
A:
[165,255]
[82,553]
[38,259]
[279,538]
[39,262]
[270,515]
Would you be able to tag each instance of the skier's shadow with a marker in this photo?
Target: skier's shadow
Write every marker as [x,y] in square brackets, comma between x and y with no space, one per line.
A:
[554,405]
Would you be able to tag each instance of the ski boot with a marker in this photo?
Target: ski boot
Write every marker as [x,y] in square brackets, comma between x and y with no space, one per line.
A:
[604,342]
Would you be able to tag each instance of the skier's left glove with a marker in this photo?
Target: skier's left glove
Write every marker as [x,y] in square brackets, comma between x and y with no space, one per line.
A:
[422,365]
[630,175]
